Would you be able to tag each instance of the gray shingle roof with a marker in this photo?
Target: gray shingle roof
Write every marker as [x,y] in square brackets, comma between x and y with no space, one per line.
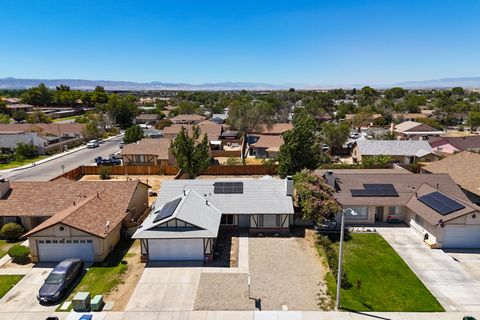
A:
[10,141]
[394,148]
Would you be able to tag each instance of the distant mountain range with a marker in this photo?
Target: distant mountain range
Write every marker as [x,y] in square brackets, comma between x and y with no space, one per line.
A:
[13,83]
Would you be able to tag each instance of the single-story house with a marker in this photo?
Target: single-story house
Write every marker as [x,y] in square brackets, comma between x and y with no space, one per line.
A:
[187,119]
[450,145]
[73,219]
[402,117]
[12,108]
[219,118]
[410,130]
[464,168]
[187,215]
[63,130]
[147,118]
[431,204]
[148,151]
[401,151]
[264,146]
[9,141]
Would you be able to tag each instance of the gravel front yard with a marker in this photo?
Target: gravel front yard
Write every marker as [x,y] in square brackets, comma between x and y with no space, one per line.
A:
[285,272]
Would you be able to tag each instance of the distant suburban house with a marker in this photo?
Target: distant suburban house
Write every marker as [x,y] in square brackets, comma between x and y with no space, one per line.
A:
[147,118]
[431,204]
[187,119]
[373,119]
[464,168]
[410,130]
[219,118]
[402,117]
[272,129]
[187,215]
[147,151]
[264,146]
[10,141]
[401,151]
[19,107]
[67,219]
[451,145]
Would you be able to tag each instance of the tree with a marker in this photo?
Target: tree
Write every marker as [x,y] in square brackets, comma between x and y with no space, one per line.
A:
[192,156]
[301,148]
[122,109]
[133,134]
[12,231]
[431,122]
[458,91]
[473,120]
[38,117]
[38,96]
[379,161]
[4,118]
[246,116]
[91,130]
[99,96]
[367,96]
[19,116]
[25,151]
[314,197]
[335,134]
[395,93]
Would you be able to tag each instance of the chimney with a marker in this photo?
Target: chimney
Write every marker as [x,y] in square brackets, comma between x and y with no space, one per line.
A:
[289,186]
[330,177]
[4,187]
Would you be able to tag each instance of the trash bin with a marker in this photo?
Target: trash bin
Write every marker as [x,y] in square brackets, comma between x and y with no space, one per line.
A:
[81,302]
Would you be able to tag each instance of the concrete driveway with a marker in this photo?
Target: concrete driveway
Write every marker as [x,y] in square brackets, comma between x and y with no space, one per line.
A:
[23,296]
[447,279]
[165,289]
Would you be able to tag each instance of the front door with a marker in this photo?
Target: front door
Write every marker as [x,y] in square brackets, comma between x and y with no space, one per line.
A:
[378,213]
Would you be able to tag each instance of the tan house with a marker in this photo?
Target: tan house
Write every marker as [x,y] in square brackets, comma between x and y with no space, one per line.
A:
[187,119]
[410,130]
[147,152]
[264,146]
[272,129]
[404,152]
[73,219]
[431,204]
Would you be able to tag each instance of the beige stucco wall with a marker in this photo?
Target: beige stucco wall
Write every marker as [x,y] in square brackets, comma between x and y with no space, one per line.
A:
[101,247]
[138,204]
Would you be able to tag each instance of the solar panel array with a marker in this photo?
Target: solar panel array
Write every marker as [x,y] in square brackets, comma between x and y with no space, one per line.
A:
[167,210]
[441,203]
[228,187]
[375,190]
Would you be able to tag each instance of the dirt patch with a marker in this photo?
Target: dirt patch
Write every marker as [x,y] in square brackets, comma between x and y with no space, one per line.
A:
[129,279]
[226,250]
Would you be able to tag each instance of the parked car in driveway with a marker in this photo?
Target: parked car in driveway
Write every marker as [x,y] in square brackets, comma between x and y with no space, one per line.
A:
[93,144]
[61,280]
[107,161]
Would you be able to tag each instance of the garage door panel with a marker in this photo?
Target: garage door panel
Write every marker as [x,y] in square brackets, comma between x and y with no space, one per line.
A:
[175,249]
[54,252]
[461,237]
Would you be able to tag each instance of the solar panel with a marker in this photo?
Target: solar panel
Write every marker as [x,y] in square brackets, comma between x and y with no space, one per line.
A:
[375,190]
[441,203]
[167,210]
[228,187]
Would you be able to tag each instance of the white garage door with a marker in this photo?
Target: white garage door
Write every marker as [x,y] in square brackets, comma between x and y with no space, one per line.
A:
[461,237]
[53,250]
[175,249]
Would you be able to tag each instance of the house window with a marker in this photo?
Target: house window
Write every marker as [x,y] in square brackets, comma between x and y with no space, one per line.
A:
[89,241]
[82,241]
[362,213]
[227,219]
[269,220]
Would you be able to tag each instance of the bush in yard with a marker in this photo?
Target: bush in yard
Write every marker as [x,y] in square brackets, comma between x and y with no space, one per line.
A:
[104,174]
[19,253]
[12,231]
[25,151]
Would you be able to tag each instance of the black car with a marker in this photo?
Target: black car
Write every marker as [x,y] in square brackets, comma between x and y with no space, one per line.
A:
[60,280]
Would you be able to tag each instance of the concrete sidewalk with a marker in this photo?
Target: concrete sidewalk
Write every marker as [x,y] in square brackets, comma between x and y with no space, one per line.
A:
[53,157]
[243,315]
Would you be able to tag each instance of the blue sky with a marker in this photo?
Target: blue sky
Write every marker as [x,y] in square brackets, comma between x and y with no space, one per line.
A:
[312,42]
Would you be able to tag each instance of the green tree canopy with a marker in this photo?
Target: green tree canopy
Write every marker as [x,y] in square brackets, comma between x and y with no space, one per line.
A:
[121,109]
[301,148]
[133,134]
[473,120]
[38,117]
[4,118]
[335,134]
[246,116]
[38,96]
[25,151]
[192,156]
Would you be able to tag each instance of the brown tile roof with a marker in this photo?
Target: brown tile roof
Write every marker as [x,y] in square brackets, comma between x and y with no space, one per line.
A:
[463,167]
[187,117]
[212,130]
[47,198]
[45,128]
[460,143]
[272,142]
[147,116]
[414,126]
[155,146]
[273,129]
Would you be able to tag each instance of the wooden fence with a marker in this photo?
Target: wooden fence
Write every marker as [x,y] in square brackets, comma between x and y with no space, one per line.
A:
[233,170]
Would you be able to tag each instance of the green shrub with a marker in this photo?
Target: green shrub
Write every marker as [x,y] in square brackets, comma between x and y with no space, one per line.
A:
[19,253]
[12,231]
[233,161]
[104,173]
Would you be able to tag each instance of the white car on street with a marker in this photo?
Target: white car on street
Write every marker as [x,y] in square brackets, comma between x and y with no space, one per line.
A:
[93,144]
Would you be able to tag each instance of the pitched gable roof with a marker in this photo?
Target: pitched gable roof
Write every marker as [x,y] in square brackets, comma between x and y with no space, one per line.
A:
[151,146]
[412,126]
[394,148]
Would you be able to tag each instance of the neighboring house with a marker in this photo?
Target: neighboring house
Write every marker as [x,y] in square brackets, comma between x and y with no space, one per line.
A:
[73,219]
[450,145]
[219,118]
[63,130]
[147,118]
[272,129]
[373,119]
[404,152]
[402,117]
[11,100]
[264,146]
[410,130]
[464,168]
[147,151]
[187,119]
[19,107]
[187,214]
[431,204]
[9,141]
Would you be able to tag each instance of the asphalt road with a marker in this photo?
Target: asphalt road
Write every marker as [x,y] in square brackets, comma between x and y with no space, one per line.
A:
[53,168]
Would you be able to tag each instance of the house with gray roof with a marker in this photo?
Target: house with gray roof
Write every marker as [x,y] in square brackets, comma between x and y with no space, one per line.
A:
[189,214]
[401,151]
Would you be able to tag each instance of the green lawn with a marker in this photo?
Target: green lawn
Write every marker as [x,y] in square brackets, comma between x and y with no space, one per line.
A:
[16,163]
[379,279]
[102,278]
[8,282]
[66,118]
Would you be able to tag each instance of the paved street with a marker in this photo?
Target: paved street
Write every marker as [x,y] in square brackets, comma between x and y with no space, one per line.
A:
[448,280]
[53,168]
